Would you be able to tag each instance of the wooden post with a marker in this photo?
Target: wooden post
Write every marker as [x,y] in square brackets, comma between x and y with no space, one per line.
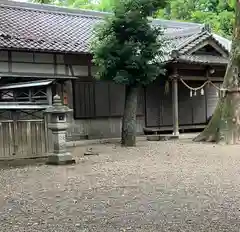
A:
[49,95]
[175,106]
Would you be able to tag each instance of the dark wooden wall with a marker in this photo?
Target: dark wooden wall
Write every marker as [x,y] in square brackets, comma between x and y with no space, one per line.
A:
[193,110]
[97,99]
[100,99]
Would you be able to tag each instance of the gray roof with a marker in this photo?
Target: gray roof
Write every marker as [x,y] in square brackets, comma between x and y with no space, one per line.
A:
[203,59]
[40,27]
[26,84]
[57,29]
[181,47]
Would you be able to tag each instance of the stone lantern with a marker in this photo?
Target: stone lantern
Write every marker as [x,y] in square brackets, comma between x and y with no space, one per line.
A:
[58,125]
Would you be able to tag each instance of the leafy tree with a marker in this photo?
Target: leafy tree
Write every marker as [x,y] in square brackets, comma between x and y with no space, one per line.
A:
[105,5]
[128,50]
[225,123]
[218,13]
[100,5]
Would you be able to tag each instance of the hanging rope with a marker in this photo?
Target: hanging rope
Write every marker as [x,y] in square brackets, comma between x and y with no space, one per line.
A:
[194,89]
[216,87]
[200,87]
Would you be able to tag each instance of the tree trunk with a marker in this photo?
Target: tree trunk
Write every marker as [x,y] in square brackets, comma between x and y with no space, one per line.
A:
[129,117]
[224,127]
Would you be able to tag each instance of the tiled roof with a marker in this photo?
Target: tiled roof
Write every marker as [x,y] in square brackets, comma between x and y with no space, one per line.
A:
[23,27]
[203,59]
[57,29]
[181,47]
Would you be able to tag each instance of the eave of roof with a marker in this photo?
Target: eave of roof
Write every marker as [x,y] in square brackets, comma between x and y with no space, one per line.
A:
[26,84]
[202,59]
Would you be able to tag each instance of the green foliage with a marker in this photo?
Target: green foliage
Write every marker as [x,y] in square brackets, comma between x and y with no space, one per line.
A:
[100,5]
[218,13]
[127,49]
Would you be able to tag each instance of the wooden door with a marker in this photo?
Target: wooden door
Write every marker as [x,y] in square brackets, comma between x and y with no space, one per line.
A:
[199,106]
[184,105]
[153,116]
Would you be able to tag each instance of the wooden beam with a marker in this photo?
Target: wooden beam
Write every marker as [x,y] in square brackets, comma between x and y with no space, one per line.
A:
[49,95]
[181,127]
[188,66]
[175,107]
[196,78]
[9,61]
[69,93]
[195,66]
[87,79]
[33,75]
[55,64]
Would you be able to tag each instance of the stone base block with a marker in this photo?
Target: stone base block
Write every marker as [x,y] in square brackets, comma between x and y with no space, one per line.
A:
[168,137]
[161,137]
[61,159]
[153,137]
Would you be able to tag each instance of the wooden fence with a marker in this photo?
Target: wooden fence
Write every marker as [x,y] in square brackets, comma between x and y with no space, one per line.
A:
[24,139]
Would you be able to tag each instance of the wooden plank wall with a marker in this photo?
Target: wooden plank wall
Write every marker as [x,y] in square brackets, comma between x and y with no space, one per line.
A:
[198,105]
[192,110]
[98,109]
[22,139]
[99,99]
[185,106]
[153,98]
[158,105]
[23,136]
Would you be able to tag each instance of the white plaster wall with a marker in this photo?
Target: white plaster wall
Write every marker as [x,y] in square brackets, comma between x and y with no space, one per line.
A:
[3,66]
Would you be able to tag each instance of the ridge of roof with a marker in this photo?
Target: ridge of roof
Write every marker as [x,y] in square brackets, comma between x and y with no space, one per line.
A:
[225,42]
[184,32]
[52,9]
[203,34]
[201,38]
[48,8]
[221,44]
[191,39]
[176,24]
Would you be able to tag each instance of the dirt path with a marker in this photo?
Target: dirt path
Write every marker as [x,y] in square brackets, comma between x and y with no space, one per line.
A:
[158,186]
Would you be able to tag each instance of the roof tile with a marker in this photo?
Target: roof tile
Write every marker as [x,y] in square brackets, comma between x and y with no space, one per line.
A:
[45,30]
[203,59]
[57,29]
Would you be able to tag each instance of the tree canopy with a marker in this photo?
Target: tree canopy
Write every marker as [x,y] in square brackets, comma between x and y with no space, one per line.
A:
[218,13]
[126,47]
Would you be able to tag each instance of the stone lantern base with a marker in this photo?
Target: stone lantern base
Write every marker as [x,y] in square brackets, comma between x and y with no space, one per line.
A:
[58,124]
[61,159]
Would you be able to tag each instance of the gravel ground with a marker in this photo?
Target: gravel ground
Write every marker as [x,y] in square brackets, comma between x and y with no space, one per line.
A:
[157,186]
